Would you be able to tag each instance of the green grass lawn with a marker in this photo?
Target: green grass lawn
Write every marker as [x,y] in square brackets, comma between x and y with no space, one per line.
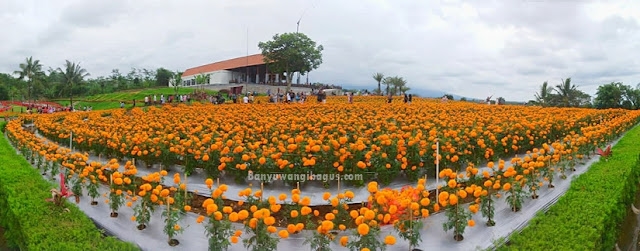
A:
[112,100]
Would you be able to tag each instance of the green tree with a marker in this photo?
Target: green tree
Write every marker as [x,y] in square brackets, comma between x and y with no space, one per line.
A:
[566,93]
[395,84]
[617,95]
[399,84]
[4,92]
[163,76]
[544,95]
[31,69]
[149,78]
[632,96]
[291,52]
[102,82]
[14,86]
[177,81]
[72,74]
[202,79]
[449,96]
[379,77]
[609,96]
[390,82]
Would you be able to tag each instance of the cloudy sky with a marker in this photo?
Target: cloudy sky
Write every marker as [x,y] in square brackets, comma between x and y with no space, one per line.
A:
[505,48]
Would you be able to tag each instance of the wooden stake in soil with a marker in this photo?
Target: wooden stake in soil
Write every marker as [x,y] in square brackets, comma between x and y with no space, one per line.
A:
[168,211]
[261,190]
[185,189]
[133,161]
[437,167]
[411,224]
[218,180]
[298,185]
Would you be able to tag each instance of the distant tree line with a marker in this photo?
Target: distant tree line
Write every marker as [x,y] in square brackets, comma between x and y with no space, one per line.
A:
[31,82]
[566,94]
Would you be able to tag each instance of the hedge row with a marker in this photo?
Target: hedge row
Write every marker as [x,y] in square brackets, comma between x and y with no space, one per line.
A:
[588,216]
[31,223]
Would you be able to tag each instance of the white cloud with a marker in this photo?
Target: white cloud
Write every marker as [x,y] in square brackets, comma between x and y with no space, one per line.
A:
[505,48]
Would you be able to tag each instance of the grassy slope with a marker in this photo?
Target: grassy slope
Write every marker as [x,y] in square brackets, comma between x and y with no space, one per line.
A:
[37,224]
[587,216]
[14,111]
[112,100]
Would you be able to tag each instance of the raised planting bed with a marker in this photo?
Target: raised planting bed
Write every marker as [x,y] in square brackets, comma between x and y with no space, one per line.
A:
[502,192]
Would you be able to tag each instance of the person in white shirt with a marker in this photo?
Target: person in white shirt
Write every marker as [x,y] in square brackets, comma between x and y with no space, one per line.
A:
[245,99]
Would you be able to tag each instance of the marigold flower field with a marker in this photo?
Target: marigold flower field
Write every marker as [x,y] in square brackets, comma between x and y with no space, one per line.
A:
[381,141]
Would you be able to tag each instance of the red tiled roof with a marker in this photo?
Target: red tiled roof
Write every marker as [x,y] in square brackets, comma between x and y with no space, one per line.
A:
[251,60]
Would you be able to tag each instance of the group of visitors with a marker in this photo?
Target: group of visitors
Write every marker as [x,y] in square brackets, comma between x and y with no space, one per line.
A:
[248,98]
[153,100]
[287,97]
[406,98]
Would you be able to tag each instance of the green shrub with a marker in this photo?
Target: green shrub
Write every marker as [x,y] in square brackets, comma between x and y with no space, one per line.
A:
[587,217]
[31,223]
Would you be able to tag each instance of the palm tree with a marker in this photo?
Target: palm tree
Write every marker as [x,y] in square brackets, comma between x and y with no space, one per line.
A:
[405,89]
[399,84]
[379,77]
[30,70]
[544,95]
[72,74]
[566,92]
[389,81]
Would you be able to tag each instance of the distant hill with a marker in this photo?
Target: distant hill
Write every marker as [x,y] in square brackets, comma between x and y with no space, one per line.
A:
[430,93]
[422,92]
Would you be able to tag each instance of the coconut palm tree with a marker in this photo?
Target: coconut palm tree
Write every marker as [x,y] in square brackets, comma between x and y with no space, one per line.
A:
[31,69]
[388,81]
[72,74]
[379,77]
[566,93]
[399,84]
[544,95]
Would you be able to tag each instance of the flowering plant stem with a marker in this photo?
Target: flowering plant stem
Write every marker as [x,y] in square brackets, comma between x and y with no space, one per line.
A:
[171,218]
[261,239]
